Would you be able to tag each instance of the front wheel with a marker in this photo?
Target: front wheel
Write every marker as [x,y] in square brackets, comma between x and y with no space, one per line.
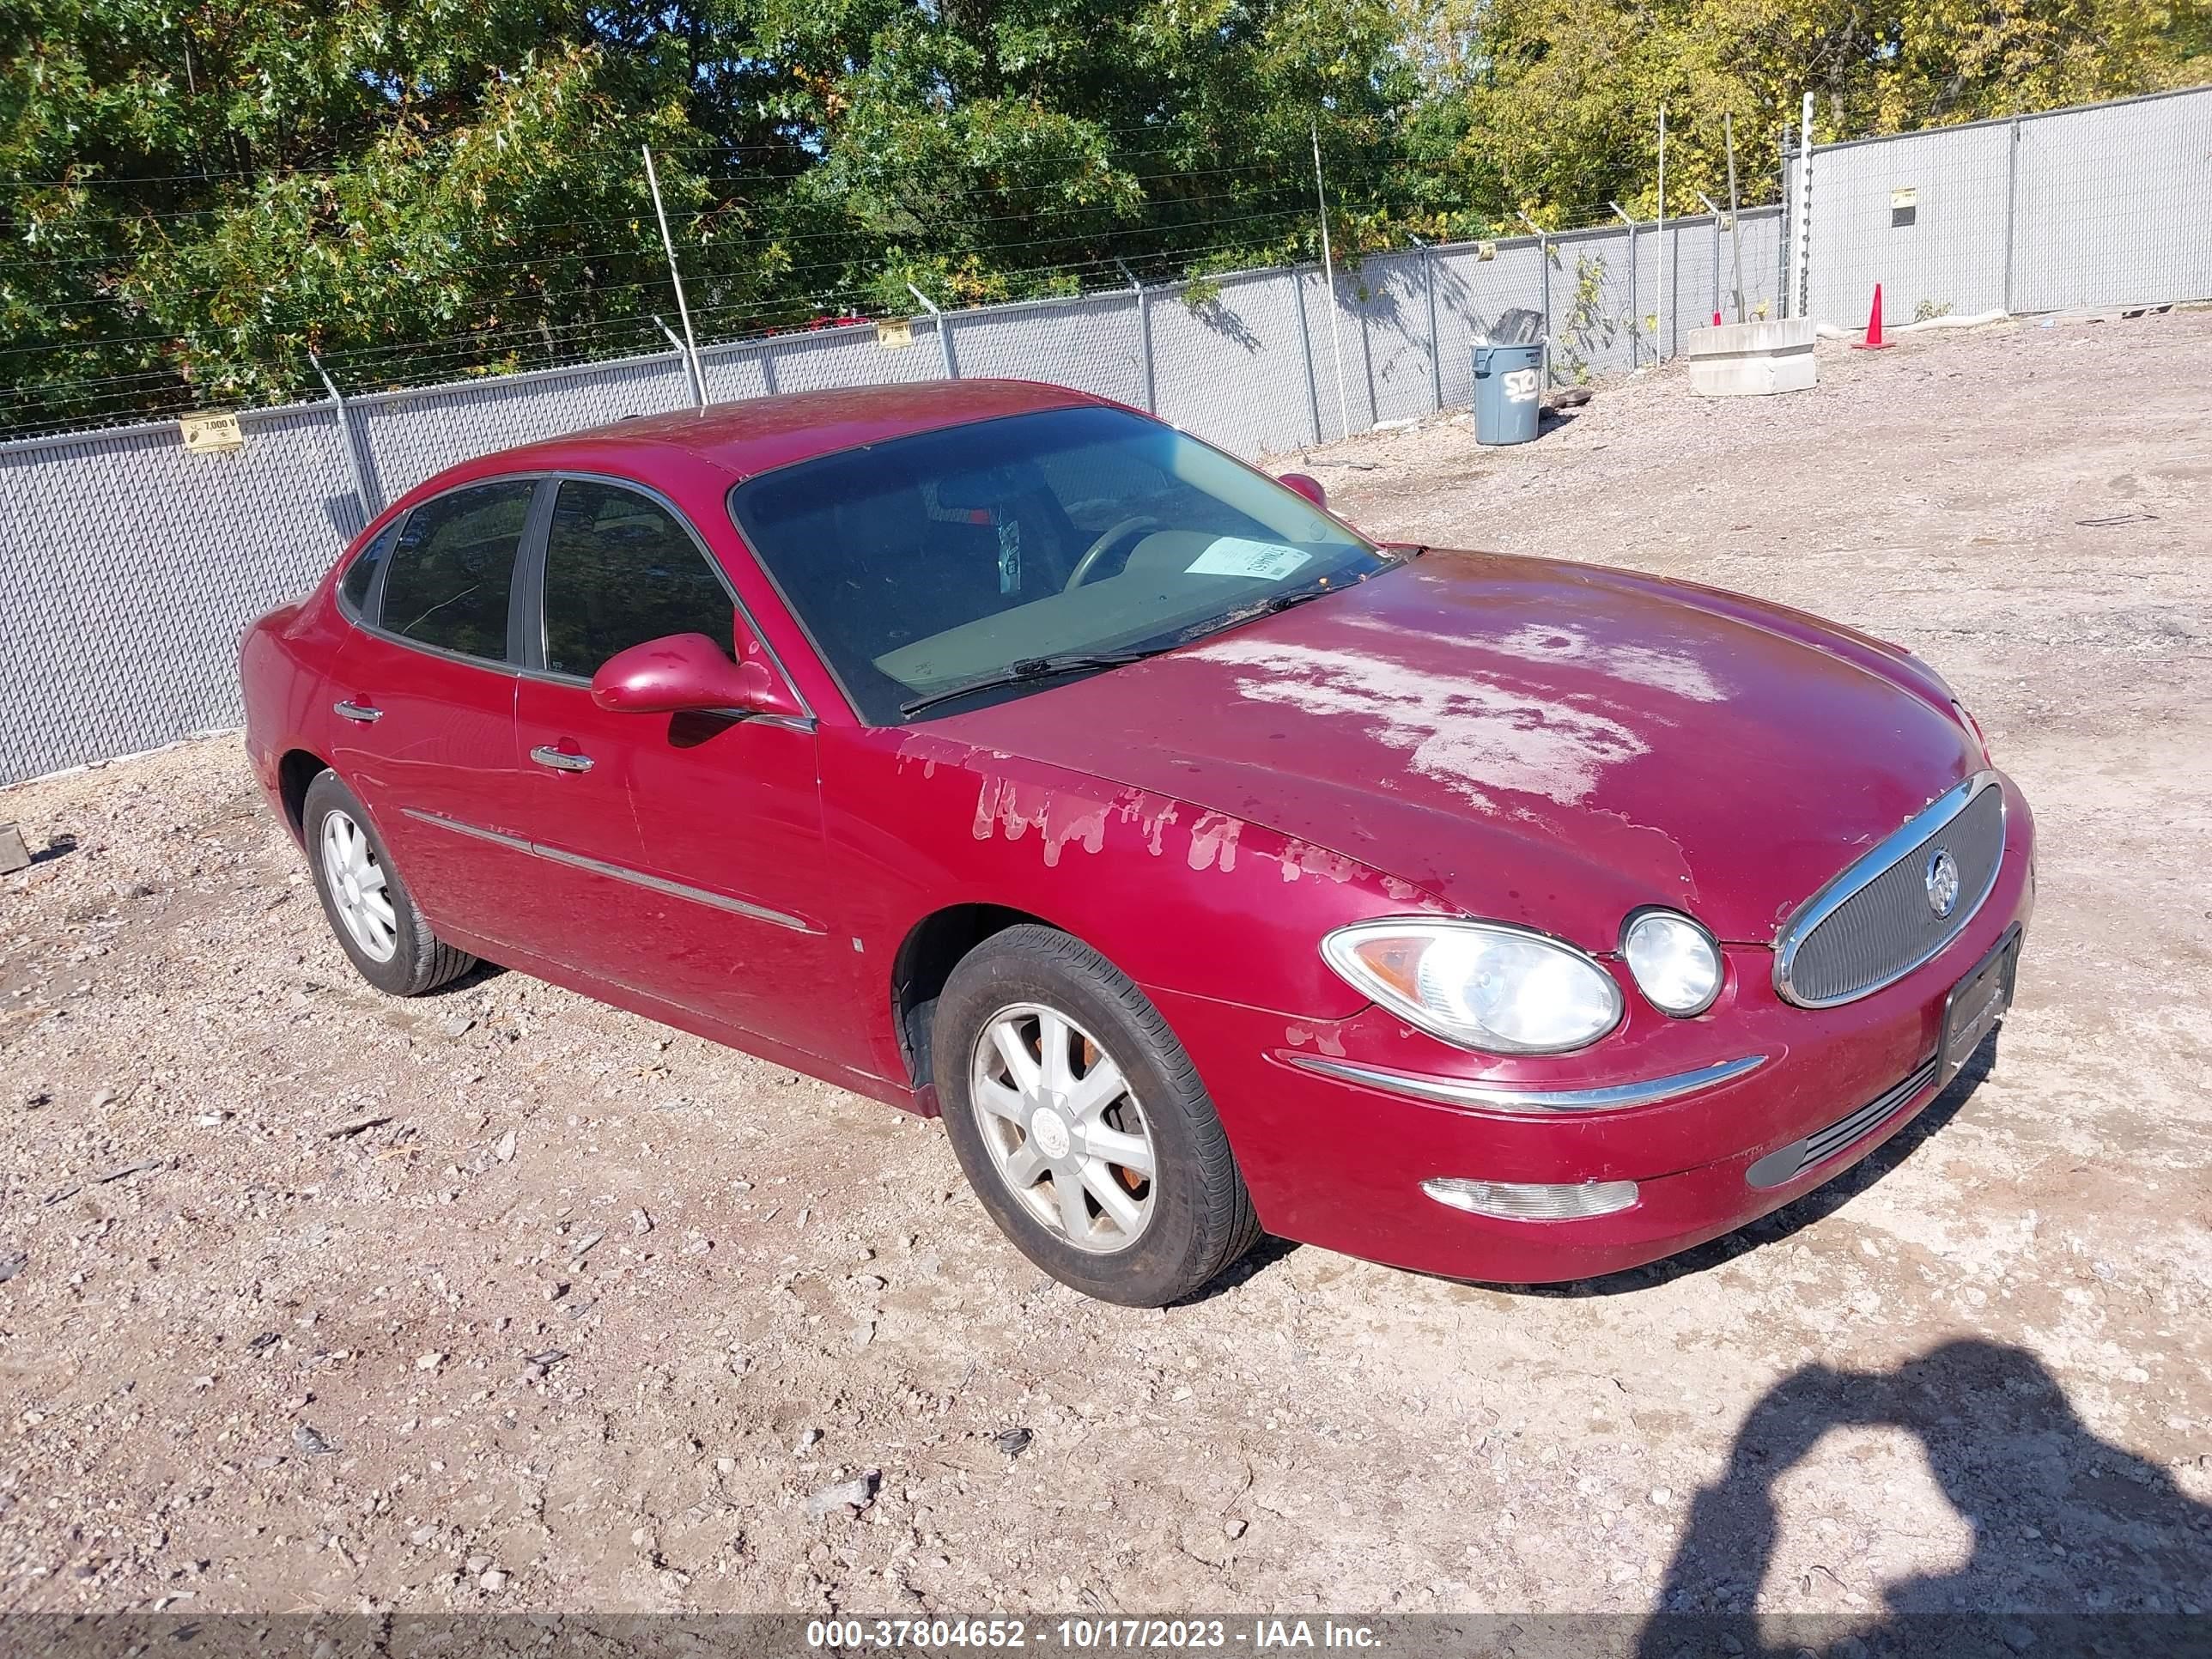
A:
[1082,1124]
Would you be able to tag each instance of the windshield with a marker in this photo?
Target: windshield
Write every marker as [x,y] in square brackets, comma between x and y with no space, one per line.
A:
[980,553]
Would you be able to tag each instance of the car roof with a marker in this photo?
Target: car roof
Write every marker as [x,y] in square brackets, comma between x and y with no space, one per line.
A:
[757,434]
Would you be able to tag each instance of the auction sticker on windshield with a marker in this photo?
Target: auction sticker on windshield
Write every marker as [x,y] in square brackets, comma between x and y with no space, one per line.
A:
[1237,555]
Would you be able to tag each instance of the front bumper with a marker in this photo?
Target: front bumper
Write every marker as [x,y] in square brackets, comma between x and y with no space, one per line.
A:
[1339,1162]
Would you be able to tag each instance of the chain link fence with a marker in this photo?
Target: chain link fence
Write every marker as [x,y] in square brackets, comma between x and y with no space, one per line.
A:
[128,564]
[2107,205]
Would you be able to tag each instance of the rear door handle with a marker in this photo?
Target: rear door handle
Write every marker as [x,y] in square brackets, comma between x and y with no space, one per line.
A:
[560,759]
[359,712]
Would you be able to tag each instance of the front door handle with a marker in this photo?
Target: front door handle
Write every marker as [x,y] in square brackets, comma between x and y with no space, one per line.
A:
[560,759]
[360,713]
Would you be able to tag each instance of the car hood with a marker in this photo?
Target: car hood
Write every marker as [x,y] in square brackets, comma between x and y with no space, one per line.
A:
[1530,739]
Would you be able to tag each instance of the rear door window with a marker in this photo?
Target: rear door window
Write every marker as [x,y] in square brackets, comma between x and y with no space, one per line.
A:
[453,569]
[620,569]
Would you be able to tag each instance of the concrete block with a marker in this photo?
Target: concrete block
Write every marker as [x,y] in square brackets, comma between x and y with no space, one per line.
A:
[1751,359]
[14,855]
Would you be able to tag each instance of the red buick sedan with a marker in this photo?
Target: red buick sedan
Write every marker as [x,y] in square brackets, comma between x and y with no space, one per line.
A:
[1003,753]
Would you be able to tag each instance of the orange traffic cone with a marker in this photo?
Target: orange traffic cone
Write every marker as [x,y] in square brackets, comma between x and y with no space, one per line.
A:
[1873,342]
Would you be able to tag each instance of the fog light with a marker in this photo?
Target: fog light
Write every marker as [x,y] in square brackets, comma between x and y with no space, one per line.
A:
[1520,1200]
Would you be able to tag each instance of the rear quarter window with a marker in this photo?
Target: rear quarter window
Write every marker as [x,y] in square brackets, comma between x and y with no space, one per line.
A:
[359,581]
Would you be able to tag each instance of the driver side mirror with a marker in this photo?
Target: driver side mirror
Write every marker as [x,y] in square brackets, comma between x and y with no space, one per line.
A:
[690,671]
[1307,485]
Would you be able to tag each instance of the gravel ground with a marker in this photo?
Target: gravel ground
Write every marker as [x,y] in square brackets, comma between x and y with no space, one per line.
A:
[315,1300]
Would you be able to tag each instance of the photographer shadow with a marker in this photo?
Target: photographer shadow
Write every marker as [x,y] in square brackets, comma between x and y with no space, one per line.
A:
[2079,1545]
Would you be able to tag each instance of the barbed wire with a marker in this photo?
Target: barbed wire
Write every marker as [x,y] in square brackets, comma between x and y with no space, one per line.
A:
[858,231]
[776,273]
[1181,236]
[945,232]
[1038,167]
[160,392]
[533,294]
[1058,169]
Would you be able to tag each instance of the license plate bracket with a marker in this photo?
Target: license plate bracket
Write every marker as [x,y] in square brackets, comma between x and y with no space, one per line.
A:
[1976,1003]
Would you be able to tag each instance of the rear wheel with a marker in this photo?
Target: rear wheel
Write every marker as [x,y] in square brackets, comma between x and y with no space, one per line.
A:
[1082,1124]
[369,907]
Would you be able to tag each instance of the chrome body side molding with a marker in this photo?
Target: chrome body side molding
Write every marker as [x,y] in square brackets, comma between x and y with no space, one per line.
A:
[736,907]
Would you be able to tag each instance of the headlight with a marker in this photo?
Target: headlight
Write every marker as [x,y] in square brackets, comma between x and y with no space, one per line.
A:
[1675,961]
[1479,984]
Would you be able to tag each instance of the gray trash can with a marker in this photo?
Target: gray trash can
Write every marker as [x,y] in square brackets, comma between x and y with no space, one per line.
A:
[1508,384]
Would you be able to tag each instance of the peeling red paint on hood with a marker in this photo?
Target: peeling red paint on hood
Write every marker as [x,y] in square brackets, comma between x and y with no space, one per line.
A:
[1529,739]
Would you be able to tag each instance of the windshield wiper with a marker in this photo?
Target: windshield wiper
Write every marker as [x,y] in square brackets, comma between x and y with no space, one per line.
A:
[1041,668]
[1029,668]
[1267,607]
[1285,601]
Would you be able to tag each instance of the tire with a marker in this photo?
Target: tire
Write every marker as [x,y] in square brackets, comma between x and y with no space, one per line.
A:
[394,949]
[1159,1235]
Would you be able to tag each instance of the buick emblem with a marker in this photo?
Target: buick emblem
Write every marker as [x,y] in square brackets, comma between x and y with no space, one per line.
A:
[1943,884]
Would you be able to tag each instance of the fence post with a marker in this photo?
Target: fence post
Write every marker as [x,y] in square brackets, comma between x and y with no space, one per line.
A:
[1635,312]
[676,280]
[1305,348]
[1736,222]
[1663,321]
[1544,279]
[369,505]
[1715,212]
[1782,231]
[944,333]
[1435,345]
[684,357]
[2012,184]
[1328,272]
[1543,298]
[1635,321]
[1145,344]
[1143,336]
[1804,226]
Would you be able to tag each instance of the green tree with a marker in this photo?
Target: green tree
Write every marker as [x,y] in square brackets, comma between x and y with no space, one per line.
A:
[1561,97]
[196,196]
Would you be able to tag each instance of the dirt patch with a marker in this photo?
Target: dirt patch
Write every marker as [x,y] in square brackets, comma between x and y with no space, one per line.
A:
[502,1298]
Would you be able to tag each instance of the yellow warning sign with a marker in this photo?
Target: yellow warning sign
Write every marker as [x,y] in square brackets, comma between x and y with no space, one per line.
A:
[209,434]
[894,333]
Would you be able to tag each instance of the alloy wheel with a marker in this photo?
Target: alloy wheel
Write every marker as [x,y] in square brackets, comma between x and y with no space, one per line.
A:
[357,888]
[1063,1129]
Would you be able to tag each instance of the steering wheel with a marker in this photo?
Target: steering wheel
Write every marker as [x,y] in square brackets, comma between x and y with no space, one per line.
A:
[1113,533]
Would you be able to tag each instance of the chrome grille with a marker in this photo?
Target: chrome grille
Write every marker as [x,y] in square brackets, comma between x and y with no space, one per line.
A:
[1873,924]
